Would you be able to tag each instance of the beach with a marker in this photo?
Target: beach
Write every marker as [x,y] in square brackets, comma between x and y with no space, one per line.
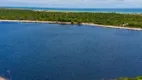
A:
[88,24]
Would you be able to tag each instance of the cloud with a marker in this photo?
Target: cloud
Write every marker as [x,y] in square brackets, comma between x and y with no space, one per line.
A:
[75,3]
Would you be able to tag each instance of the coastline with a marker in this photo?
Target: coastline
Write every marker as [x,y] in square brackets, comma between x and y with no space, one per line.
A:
[88,24]
[92,10]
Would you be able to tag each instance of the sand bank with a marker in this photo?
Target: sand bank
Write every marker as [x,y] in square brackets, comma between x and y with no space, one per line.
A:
[57,22]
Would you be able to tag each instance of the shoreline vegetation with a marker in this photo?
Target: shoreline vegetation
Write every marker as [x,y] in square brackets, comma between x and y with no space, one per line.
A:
[128,78]
[109,20]
[121,78]
[70,23]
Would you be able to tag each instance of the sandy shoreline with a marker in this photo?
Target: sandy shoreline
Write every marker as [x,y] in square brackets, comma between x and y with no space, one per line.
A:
[55,22]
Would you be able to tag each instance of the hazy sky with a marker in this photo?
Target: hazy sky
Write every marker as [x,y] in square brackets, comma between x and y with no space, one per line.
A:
[74,3]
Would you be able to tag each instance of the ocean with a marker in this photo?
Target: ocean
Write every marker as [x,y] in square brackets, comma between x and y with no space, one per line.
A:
[104,10]
[38,51]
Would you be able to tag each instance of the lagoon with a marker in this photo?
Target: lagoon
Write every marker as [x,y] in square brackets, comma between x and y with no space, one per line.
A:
[102,10]
[38,51]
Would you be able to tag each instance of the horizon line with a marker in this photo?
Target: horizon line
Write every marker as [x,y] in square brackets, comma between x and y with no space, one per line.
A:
[68,7]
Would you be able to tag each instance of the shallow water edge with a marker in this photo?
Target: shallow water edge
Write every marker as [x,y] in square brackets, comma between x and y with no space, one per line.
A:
[58,22]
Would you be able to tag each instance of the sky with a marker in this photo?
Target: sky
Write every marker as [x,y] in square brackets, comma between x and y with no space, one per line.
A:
[74,3]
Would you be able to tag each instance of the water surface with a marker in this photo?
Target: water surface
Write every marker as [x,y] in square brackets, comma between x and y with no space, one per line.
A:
[35,51]
[102,10]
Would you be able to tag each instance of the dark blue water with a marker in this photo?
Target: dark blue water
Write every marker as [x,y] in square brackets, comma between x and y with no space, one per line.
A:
[34,51]
[104,10]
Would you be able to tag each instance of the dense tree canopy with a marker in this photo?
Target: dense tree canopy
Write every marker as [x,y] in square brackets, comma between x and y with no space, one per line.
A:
[131,20]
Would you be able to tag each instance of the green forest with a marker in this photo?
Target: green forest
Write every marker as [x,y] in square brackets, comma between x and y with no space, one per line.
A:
[116,19]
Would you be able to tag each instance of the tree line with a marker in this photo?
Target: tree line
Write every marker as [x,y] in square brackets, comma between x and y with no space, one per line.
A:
[116,19]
